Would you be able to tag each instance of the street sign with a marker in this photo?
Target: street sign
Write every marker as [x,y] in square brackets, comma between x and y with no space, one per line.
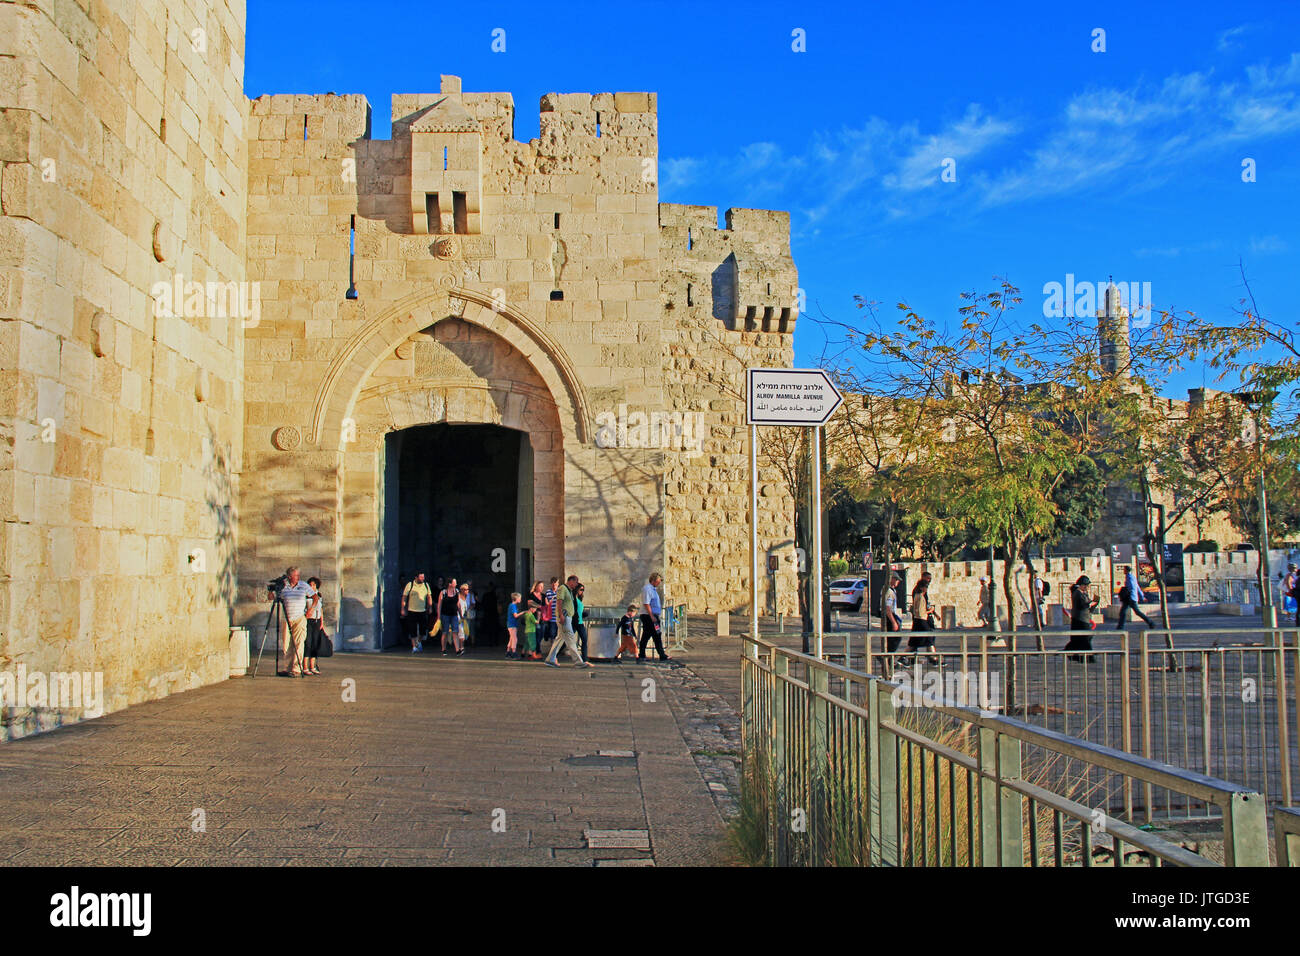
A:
[790,396]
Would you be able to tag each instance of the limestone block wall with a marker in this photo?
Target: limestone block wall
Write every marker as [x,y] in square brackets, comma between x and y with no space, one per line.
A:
[559,261]
[956,583]
[122,143]
[705,356]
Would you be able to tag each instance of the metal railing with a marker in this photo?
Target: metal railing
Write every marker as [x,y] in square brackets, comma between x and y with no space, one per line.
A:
[1208,703]
[843,767]
[1286,831]
[1222,591]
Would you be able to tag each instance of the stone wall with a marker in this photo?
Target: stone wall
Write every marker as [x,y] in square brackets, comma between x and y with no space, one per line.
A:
[729,300]
[547,256]
[122,139]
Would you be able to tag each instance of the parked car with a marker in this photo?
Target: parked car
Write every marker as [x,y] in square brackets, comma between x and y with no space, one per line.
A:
[848,592]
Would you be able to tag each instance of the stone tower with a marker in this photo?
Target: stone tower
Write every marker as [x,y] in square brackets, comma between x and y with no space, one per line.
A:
[1113,333]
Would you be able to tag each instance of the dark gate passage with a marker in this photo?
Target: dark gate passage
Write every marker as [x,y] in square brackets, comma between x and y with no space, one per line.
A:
[457,503]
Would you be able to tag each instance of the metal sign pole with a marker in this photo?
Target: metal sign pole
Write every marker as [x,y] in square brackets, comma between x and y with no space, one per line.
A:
[817,538]
[753,537]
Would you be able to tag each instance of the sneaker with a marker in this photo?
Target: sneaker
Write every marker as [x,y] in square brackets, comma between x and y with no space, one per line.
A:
[665,658]
[444,652]
[551,663]
[461,652]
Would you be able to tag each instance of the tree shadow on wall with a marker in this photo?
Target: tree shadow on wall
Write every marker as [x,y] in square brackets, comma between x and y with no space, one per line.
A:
[218,497]
[631,472]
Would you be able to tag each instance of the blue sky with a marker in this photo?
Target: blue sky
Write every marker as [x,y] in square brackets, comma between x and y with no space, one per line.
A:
[1124,162]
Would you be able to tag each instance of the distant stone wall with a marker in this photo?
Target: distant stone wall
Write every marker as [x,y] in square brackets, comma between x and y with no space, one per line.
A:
[956,583]
[122,139]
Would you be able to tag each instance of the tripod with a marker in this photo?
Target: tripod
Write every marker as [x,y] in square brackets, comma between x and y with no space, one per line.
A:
[272,617]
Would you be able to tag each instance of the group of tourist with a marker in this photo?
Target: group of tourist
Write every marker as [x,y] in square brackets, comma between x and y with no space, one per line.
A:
[553,617]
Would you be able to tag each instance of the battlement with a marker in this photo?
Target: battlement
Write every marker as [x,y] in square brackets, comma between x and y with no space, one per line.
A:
[751,276]
[287,116]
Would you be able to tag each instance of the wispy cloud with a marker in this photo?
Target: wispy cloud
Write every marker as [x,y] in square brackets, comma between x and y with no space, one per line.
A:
[1230,41]
[1137,136]
[1267,245]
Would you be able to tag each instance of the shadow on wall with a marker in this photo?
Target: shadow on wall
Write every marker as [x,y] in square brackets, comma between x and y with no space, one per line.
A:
[723,287]
[648,555]
[218,497]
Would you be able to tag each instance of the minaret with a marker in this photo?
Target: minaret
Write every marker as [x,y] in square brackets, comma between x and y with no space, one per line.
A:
[1112,330]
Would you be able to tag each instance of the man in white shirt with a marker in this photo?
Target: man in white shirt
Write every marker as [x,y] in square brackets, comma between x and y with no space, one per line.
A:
[295,594]
[651,609]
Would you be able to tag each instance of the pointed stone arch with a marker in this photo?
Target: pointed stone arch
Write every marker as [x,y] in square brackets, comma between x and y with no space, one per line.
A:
[368,346]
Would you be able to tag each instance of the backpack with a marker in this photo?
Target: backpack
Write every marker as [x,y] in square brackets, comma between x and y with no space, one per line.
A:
[1047,587]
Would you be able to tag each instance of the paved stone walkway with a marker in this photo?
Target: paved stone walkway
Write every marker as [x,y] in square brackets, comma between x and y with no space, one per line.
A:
[415,771]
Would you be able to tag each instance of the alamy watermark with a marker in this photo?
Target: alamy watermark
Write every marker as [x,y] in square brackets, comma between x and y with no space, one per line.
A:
[66,690]
[1085,299]
[954,688]
[240,300]
[683,431]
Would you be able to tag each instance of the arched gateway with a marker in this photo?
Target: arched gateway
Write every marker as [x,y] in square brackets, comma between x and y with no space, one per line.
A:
[450,419]
[466,348]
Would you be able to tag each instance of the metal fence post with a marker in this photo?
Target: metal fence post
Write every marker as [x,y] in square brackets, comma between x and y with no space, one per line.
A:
[988,762]
[1283,728]
[820,813]
[1126,718]
[1245,830]
[776,767]
[884,785]
[1144,683]
[1011,808]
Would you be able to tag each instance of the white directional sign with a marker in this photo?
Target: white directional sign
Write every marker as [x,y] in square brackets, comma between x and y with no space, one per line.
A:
[790,396]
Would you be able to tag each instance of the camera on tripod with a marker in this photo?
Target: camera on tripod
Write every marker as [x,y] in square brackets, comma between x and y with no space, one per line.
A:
[276,585]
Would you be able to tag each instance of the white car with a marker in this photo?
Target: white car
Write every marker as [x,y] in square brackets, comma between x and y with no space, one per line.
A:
[848,591]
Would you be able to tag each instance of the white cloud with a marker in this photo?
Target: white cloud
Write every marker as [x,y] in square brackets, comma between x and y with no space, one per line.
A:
[1229,41]
[1267,245]
[1138,136]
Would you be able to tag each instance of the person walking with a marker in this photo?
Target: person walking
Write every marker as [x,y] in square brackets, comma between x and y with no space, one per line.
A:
[579,621]
[315,628]
[922,620]
[549,628]
[651,609]
[627,633]
[1129,596]
[449,617]
[889,614]
[566,606]
[1289,602]
[1081,607]
[984,609]
[512,627]
[417,602]
[536,603]
[464,606]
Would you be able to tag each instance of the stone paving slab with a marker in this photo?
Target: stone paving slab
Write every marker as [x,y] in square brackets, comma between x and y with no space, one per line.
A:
[415,771]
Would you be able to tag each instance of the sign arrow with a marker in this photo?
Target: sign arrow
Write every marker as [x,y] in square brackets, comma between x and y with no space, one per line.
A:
[790,396]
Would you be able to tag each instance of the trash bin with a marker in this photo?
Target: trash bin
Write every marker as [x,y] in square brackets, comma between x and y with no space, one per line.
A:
[602,632]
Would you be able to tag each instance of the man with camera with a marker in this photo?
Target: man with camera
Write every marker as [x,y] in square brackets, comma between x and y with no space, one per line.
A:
[295,594]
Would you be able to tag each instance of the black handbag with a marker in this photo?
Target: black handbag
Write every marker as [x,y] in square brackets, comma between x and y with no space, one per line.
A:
[326,648]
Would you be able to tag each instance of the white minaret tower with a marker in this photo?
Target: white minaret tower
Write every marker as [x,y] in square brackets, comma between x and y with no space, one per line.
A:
[1112,329]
